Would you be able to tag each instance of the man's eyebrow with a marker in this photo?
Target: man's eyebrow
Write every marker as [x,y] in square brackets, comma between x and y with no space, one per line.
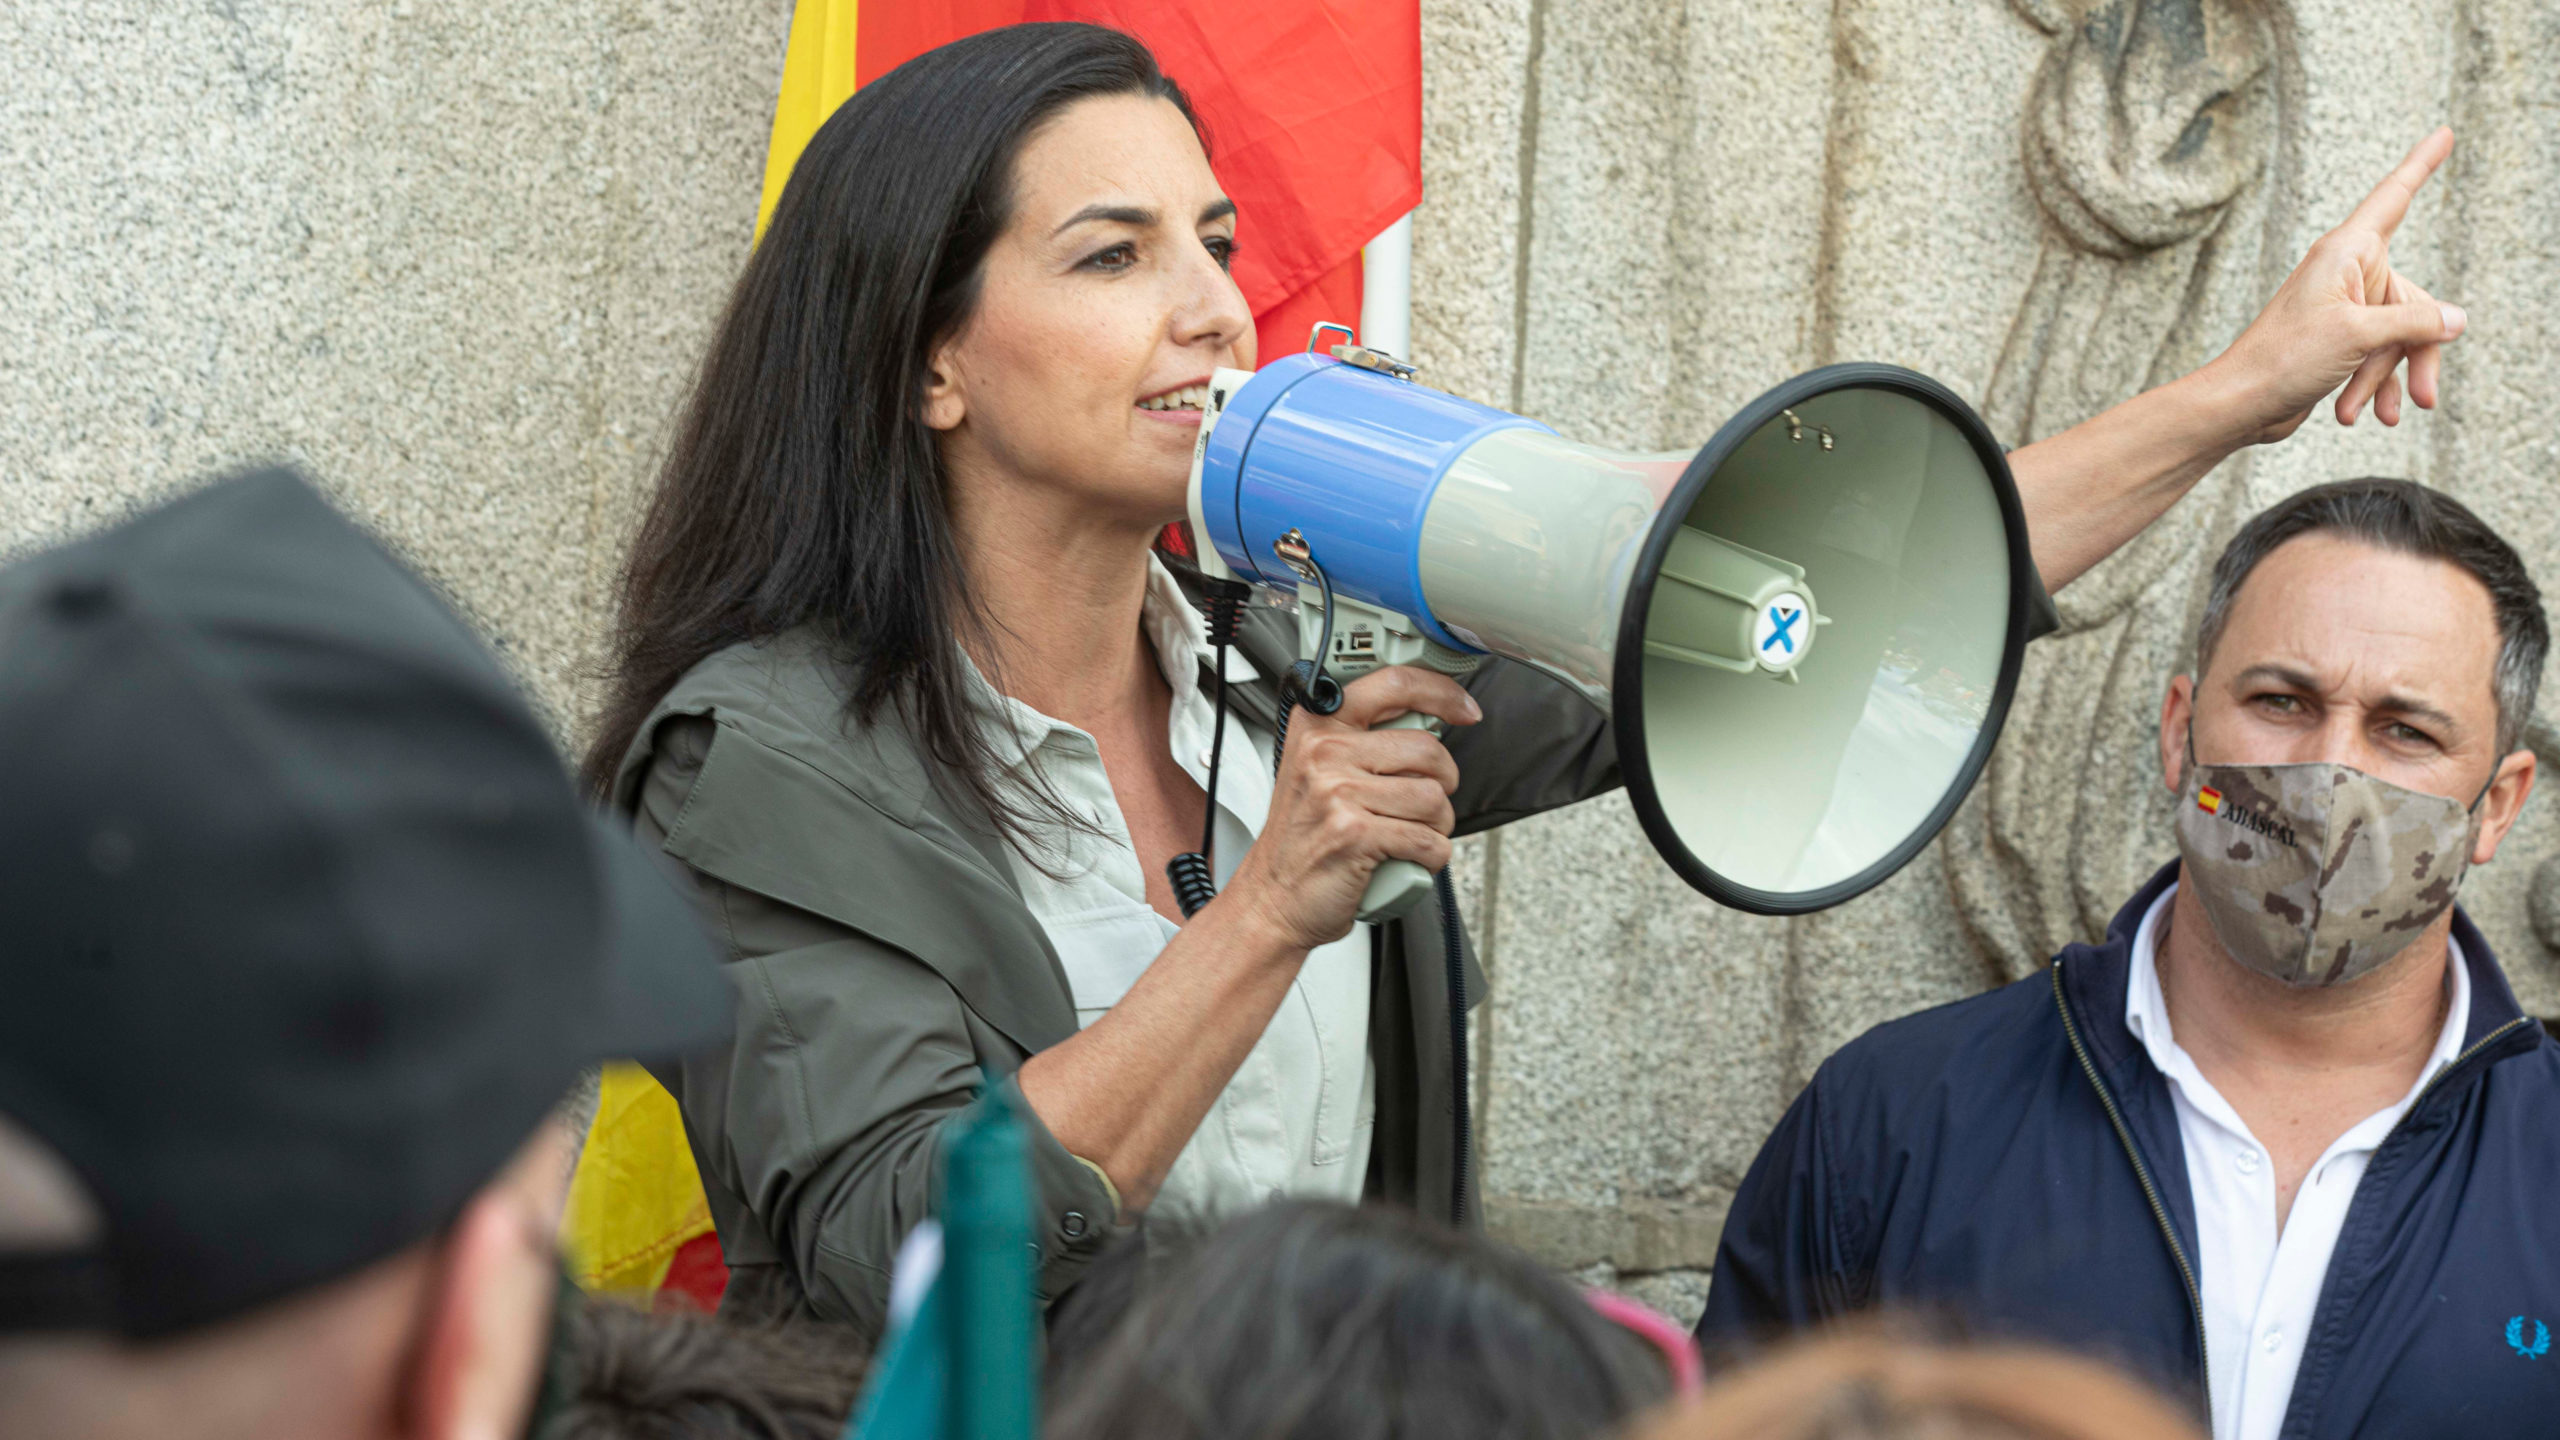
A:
[1217,210]
[1137,215]
[2415,709]
[2389,704]
[2278,674]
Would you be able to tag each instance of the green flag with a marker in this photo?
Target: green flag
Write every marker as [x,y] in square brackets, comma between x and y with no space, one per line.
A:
[962,1366]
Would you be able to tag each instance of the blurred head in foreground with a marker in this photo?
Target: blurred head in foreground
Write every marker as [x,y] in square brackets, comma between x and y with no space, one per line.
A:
[1311,1321]
[1877,1387]
[305,934]
[680,1375]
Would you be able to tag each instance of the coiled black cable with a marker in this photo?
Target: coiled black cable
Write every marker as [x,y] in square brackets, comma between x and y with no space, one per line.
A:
[1193,874]
[1306,683]
[1194,883]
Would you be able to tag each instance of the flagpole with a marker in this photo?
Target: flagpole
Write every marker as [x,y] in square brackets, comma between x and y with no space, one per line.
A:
[1386,290]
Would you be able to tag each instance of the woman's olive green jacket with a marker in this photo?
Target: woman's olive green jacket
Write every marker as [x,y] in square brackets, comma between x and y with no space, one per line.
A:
[886,970]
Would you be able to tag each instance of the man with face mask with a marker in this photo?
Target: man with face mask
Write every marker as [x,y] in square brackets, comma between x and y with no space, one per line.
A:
[2282,1141]
[303,933]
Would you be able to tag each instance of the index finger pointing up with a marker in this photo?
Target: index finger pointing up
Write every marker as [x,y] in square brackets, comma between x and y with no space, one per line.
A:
[2384,209]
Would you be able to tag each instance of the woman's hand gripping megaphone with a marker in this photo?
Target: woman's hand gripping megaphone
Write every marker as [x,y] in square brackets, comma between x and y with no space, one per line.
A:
[1351,796]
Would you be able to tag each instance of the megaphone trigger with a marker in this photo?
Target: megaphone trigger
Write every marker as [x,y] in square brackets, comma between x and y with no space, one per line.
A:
[1349,639]
[1399,885]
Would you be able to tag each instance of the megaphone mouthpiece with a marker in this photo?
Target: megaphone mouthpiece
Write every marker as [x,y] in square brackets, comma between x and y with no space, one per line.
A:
[1731,607]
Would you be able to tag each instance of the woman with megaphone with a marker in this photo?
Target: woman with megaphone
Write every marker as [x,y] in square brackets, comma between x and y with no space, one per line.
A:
[900,680]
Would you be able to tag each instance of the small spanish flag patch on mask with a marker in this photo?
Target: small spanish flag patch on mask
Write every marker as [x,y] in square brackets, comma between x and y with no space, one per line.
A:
[2208,800]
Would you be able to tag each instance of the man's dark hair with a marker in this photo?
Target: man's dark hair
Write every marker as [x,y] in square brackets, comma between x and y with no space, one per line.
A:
[686,1376]
[1314,1321]
[2409,519]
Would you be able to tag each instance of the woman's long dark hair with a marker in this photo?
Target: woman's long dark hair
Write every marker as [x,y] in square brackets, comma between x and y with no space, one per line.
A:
[802,486]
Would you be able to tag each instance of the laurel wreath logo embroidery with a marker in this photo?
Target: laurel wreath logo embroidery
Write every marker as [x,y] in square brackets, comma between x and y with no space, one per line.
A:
[2541,1345]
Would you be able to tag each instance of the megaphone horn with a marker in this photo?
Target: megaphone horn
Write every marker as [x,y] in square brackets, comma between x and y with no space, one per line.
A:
[1805,633]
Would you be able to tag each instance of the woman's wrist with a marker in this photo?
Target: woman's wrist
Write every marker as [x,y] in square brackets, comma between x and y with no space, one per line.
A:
[1250,928]
[2226,402]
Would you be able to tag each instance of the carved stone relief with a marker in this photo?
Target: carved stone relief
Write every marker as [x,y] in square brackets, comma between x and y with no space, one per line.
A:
[2158,139]
[2543,900]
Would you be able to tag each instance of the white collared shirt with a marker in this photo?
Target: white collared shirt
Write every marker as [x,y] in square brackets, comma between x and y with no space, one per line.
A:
[2261,1282]
[1296,1117]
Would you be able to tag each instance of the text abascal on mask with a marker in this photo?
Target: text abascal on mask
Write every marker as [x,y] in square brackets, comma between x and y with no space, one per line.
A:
[2251,820]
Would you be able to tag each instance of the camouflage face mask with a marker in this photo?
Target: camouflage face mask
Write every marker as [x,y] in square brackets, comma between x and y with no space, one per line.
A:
[2315,874]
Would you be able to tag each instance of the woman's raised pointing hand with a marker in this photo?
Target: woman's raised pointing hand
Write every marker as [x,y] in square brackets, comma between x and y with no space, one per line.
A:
[2346,319]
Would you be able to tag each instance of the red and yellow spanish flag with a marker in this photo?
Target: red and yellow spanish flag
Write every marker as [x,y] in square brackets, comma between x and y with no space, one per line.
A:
[2208,800]
[1313,110]
[637,1224]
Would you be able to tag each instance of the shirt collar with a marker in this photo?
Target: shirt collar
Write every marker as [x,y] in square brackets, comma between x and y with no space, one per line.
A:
[1014,731]
[1175,633]
[1178,633]
[2146,1009]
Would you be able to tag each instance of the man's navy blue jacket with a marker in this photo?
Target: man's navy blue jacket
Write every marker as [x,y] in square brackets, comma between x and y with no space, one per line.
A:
[2012,1162]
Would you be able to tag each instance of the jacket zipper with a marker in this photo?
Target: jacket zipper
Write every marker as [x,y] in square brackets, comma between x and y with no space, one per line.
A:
[2483,1043]
[2142,1172]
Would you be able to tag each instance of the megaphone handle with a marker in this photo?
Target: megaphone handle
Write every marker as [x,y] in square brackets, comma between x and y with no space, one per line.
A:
[1396,886]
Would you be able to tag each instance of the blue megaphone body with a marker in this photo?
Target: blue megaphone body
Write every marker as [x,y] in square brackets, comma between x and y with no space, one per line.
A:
[1308,421]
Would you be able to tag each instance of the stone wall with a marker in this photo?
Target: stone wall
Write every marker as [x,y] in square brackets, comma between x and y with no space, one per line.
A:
[455,259]
[458,260]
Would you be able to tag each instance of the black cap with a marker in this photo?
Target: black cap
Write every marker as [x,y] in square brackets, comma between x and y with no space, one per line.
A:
[302,925]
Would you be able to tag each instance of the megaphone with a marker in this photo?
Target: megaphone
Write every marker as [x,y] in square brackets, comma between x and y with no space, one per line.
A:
[1805,633]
